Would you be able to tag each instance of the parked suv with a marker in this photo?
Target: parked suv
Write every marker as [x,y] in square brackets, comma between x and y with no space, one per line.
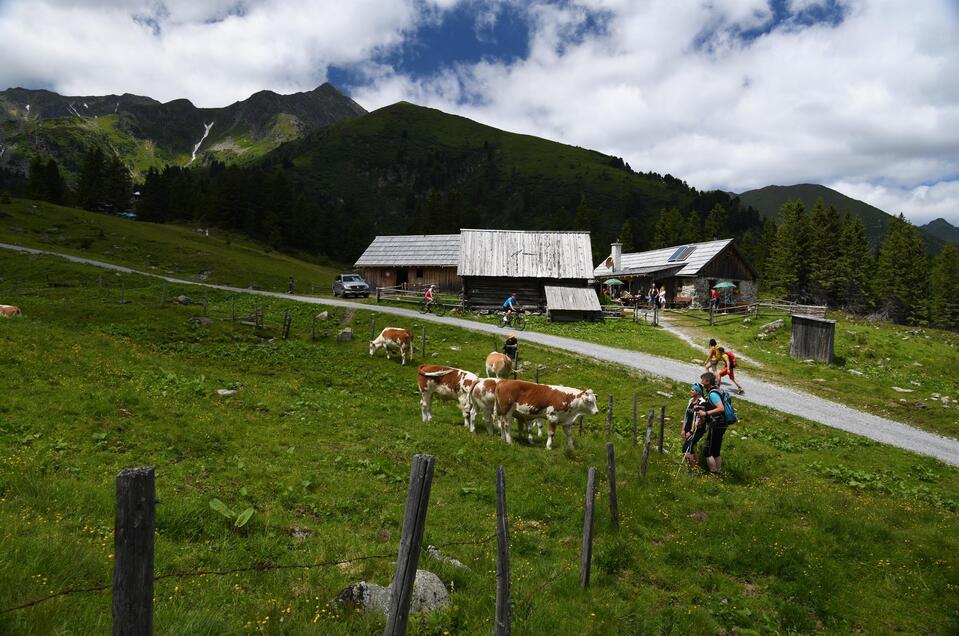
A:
[350,285]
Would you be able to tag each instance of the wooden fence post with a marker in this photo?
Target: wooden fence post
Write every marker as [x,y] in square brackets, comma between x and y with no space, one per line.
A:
[712,315]
[609,415]
[163,296]
[372,328]
[414,523]
[504,618]
[313,329]
[611,477]
[649,434]
[206,301]
[495,343]
[133,552]
[423,346]
[377,295]
[662,426]
[586,555]
[635,419]
[287,322]
[123,293]
[100,281]
[537,374]
[233,308]
[655,316]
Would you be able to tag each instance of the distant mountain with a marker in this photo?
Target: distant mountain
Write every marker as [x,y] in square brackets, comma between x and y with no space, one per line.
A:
[941,228]
[146,133]
[769,201]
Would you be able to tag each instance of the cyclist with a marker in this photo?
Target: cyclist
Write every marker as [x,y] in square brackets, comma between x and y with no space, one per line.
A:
[428,297]
[509,307]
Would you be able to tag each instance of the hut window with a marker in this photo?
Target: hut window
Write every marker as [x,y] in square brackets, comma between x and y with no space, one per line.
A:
[419,272]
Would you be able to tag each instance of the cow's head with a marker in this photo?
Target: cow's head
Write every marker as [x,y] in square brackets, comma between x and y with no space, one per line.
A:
[588,401]
[372,347]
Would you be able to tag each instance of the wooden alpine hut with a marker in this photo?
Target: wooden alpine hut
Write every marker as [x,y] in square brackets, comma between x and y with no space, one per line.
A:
[413,262]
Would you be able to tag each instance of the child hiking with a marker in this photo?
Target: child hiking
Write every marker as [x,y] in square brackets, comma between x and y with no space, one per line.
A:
[729,368]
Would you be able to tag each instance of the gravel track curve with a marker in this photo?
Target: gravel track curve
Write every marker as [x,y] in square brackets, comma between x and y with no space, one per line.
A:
[759,392]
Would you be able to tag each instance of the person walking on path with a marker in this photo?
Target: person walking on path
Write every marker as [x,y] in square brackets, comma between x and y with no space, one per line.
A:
[714,412]
[290,285]
[729,368]
[662,297]
[652,294]
[713,357]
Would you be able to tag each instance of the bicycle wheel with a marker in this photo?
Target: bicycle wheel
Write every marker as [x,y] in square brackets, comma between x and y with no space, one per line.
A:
[439,309]
[423,307]
[519,322]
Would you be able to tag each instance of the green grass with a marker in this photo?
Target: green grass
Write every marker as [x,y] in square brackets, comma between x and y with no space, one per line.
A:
[811,530]
[223,258]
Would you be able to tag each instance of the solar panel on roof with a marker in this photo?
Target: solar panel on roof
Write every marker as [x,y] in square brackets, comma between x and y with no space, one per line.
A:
[689,249]
[676,255]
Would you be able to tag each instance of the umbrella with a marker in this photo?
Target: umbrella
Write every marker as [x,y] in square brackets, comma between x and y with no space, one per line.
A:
[724,285]
[613,281]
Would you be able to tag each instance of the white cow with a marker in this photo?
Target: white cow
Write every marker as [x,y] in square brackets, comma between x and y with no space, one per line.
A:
[528,401]
[447,383]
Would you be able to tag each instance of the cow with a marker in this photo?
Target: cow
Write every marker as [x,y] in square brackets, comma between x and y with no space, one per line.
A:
[448,383]
[498,365]
[483,402]
[558,405]
[9,311]
[393,338]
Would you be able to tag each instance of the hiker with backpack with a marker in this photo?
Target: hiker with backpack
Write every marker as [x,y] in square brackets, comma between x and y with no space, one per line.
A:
[713,358]
[729,368]
[693,426]
[719,414]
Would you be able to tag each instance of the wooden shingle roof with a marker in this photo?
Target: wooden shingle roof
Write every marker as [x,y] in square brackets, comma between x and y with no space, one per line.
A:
[436,250]
[521,254]
[571,298]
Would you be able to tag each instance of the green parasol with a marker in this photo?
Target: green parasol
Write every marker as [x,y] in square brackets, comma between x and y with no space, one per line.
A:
[724,285]
[613,281]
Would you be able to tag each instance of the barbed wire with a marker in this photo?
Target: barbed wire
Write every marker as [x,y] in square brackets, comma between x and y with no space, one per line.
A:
[260,567]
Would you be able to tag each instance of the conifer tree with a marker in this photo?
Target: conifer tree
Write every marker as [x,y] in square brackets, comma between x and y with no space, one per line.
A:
[787,267]
[90,188]
[669,229]
[764,247]
[54,183]
[855,267]
[715,225]
[692,231]
[626,237]
[944,288]
[903,273]
[826,231]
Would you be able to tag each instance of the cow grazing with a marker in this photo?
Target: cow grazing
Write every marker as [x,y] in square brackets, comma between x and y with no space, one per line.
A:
[9,311]
[498,365]
[447,383]
[558,405]
[393,338]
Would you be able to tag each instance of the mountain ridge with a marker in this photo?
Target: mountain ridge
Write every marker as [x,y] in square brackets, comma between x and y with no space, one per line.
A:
[147,133]
[769,200]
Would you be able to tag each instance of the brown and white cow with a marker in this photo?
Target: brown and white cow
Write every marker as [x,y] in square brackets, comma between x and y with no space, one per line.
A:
[393,338]
[9,311]
[498,365]
[483,403]
[447,383]
[558,405]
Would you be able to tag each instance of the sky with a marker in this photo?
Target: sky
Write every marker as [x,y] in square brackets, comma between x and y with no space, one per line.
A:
[858,95]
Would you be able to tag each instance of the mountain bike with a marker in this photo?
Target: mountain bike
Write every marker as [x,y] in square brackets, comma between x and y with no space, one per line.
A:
[517,321]
[432,307]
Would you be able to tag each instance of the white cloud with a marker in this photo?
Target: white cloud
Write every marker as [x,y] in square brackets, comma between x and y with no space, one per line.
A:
[868,101]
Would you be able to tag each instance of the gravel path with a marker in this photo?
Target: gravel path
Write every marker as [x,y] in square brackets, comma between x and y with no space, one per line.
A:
[758,391]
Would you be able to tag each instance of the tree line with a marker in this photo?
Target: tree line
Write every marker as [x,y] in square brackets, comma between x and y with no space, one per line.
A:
[823,257]
[104,183]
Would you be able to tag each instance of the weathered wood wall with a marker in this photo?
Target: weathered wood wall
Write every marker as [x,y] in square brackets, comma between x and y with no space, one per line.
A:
[813,338]
[445,277]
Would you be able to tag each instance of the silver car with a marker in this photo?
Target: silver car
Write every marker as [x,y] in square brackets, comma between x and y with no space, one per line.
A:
[350,285]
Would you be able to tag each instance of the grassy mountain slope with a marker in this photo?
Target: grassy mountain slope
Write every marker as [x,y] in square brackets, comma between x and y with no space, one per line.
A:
[221,257]
[395,159]
[146,133]
[810,531]
[942,229]
[769,201]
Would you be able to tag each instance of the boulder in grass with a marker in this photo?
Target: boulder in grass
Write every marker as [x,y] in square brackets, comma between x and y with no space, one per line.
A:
[203,321]
[345,335]
[429,594]
[323,315]
[770,327]
[183,300]
[226,392]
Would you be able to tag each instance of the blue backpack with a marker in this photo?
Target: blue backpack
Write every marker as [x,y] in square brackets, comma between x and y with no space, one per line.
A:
[730,412]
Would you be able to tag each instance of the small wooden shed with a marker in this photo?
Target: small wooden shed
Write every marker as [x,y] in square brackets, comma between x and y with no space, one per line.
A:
[813,338]
[566,303]
[413,262]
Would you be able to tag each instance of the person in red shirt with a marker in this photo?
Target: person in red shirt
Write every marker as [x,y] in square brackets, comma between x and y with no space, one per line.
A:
[713,298]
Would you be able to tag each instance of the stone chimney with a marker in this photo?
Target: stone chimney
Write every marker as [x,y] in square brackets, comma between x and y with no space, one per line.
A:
[617,256]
